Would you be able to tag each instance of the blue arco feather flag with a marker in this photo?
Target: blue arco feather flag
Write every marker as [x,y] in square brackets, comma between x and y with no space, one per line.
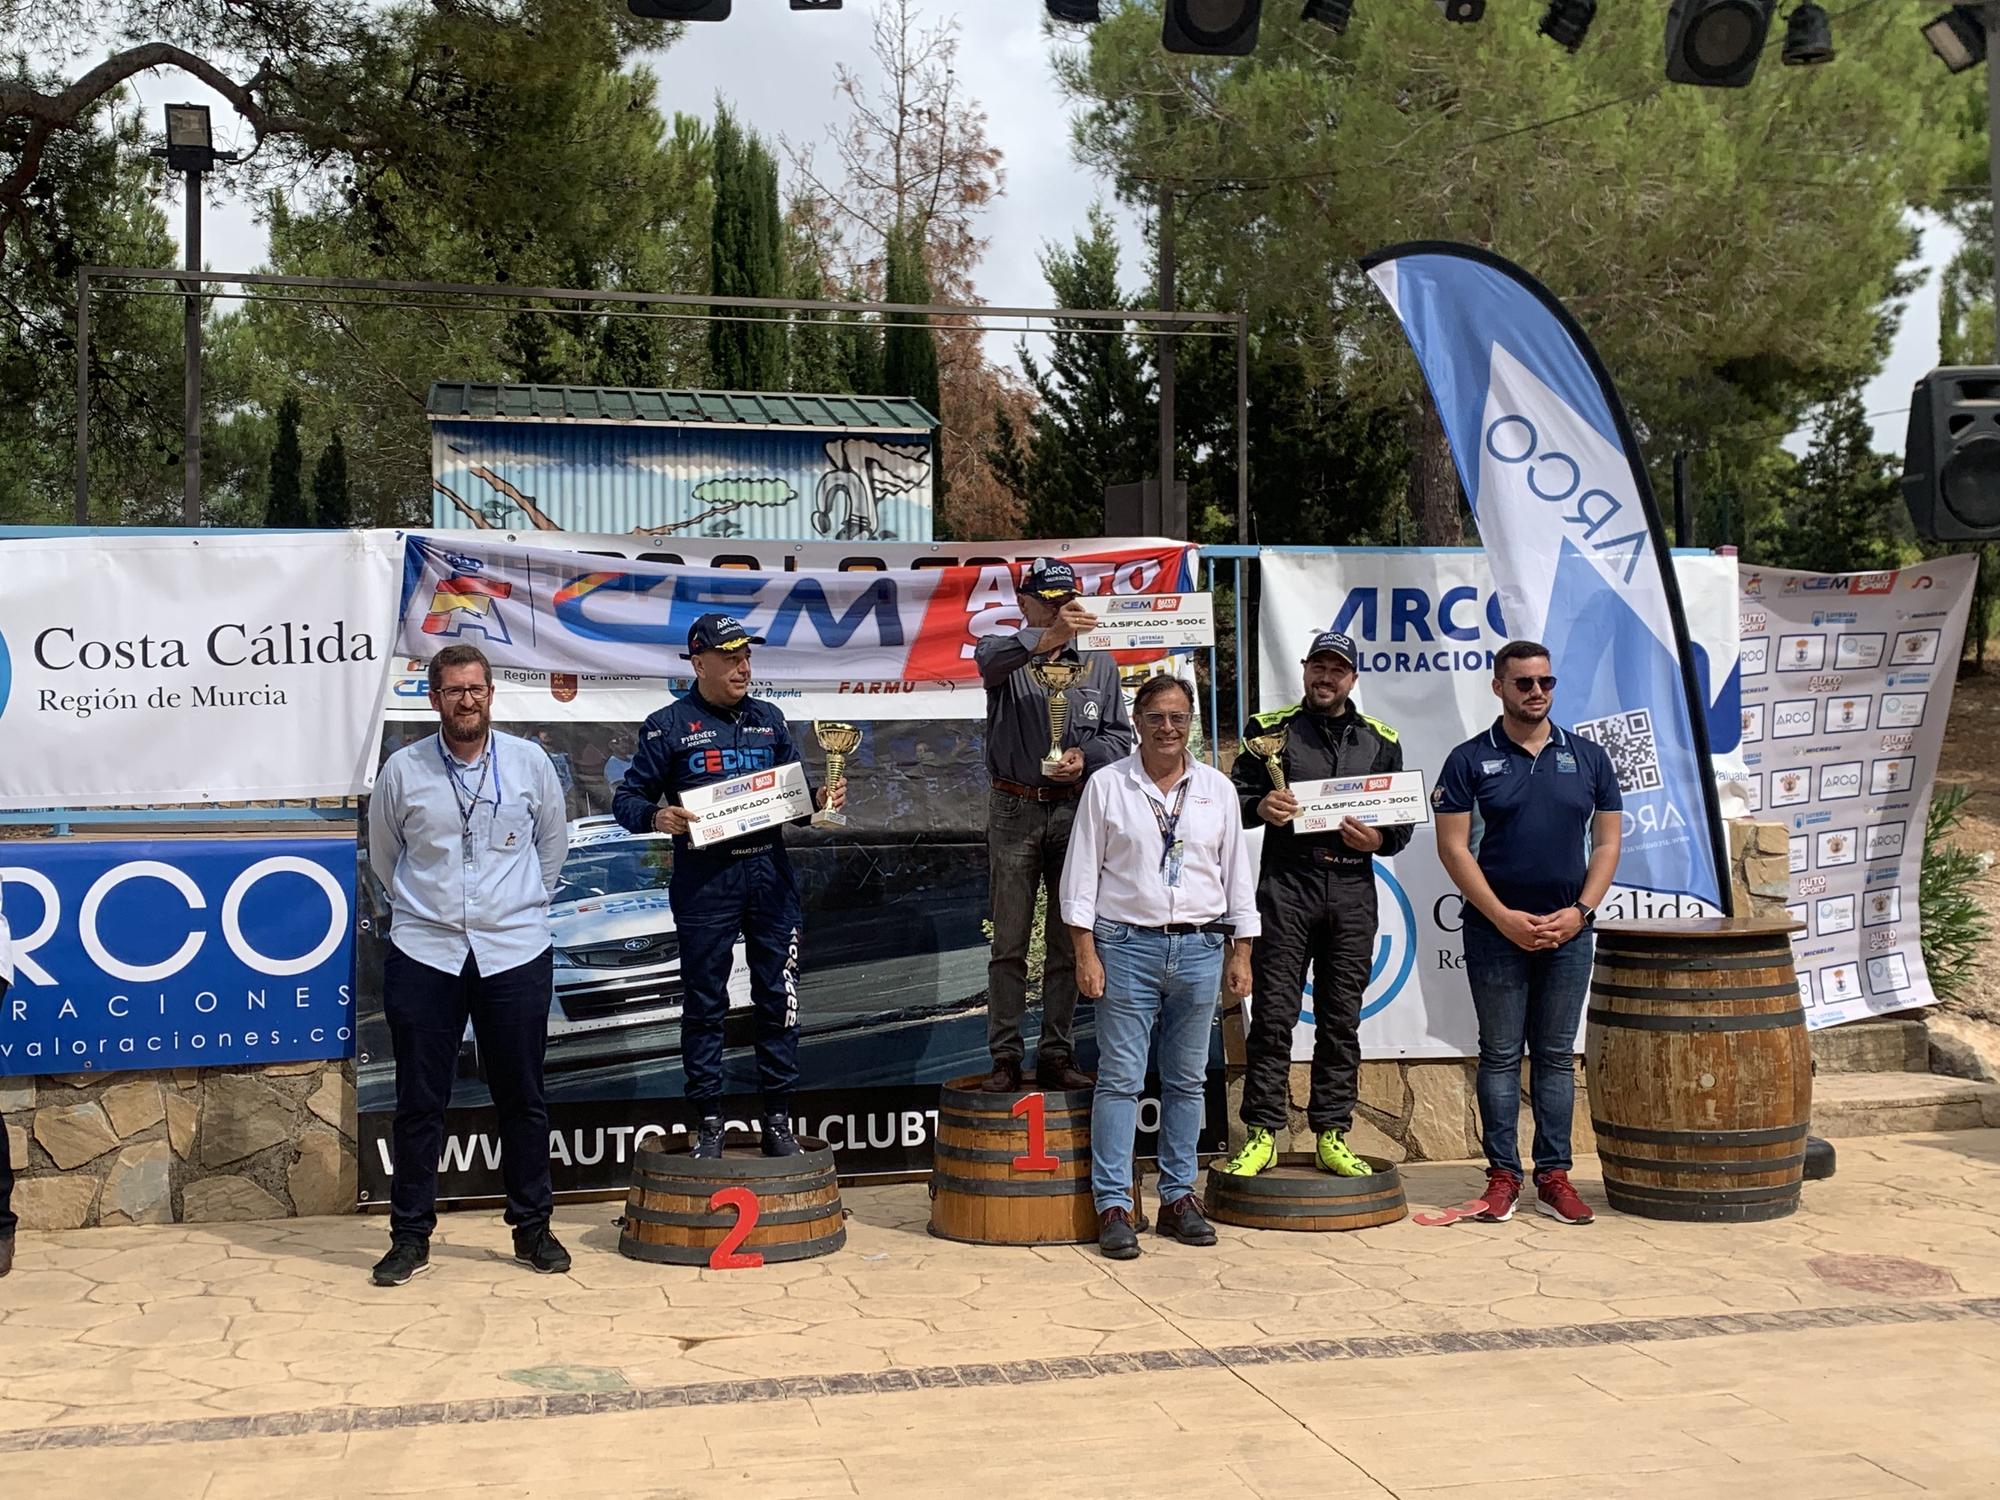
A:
[1574,538]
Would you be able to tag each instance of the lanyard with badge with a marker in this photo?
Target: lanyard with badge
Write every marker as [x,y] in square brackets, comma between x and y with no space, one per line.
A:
[1172,848]
[468,799]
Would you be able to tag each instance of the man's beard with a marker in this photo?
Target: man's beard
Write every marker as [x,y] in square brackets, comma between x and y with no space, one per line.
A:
[461,731]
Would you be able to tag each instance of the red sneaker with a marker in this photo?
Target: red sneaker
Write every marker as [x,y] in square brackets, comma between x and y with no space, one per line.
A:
[1555,1197]
[1502,1188]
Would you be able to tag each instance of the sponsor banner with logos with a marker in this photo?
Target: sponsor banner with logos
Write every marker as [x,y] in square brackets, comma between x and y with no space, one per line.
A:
[178,953]
[196,668]
[1847,682]
[543,609]
[1426,625]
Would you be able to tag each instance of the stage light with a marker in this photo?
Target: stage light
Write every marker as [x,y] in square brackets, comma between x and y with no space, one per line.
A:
[1716,43]
[1211,28]
[190,139]
[1464,12]
[680,10]
[1808,37]
[1958,37]
[1075,12]
[1567,22]
[1334,14]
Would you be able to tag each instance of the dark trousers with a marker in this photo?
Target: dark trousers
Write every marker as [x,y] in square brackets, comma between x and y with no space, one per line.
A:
[1025,845]
[718,898]
[8,1222]
[1528,1002]
[1322,918]
[427,1010]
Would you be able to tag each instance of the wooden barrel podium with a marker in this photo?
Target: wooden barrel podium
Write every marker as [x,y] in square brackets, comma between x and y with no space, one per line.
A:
[1293,1193]
[726,1214]
[1699,1070]
[1012,1169]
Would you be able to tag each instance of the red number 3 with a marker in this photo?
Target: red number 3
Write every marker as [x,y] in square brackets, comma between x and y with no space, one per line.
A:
[1038,1158]
[725,1256]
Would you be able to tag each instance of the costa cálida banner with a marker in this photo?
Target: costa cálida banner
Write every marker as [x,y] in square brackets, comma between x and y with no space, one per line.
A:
[566,611]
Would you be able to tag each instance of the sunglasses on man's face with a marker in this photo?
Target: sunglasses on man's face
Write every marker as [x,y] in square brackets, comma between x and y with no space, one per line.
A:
[1529,684]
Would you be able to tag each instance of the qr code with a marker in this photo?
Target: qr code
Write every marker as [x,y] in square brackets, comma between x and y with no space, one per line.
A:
[1628,740]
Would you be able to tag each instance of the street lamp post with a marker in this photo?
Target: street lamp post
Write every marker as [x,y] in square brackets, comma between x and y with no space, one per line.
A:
[190,150]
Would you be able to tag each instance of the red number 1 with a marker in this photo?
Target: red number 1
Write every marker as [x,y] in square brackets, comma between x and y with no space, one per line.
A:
[1038,1158]
[725,1257]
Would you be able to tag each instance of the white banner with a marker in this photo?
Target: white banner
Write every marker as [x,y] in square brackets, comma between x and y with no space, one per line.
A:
[194,668]
[1847,682]
[1427,624]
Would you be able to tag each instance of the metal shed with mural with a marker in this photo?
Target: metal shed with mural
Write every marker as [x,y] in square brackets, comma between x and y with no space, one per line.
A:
[681,463]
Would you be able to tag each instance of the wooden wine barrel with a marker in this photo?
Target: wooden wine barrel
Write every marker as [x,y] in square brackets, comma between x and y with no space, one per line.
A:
[1700,1073]
[980,1195]
[668,1218]
[1295,1194]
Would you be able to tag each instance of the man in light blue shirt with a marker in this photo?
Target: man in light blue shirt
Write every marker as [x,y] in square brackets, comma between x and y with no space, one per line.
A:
[466,832]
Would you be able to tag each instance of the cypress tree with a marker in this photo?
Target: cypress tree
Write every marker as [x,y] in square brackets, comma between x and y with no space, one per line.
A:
[746,259]
[286,505]
[330,486]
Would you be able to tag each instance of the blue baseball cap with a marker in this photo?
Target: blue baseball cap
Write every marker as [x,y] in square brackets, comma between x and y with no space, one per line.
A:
[1049,579]
[718,633]
[1334,641]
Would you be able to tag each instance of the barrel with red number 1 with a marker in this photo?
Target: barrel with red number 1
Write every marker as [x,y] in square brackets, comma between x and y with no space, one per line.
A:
[741,1211]
[1012,1169]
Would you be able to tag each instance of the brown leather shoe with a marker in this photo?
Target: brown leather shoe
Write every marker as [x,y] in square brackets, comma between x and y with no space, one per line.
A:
[1055,1070]
[6,1254]
[1005,1077]
[1182,1220]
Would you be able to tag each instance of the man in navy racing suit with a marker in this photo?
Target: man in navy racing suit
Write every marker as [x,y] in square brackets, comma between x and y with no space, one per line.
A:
[743,886]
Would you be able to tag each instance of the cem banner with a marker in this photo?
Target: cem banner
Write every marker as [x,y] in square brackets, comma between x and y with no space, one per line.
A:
[565,611]
[1578,553]
[199,668]
[1427,624]
[1847,682]
[177,953]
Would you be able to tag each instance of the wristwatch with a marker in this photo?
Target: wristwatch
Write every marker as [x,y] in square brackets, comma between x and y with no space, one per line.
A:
[1589,912]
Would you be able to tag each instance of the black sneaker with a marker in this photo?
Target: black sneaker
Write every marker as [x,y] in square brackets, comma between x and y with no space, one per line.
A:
[708,1140]
[406,1258]
[541,1250]
[778,1137]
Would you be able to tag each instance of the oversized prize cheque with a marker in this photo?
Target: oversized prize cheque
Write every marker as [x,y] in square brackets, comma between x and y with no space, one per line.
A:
[1369,800]
[1137,622]
[749,804]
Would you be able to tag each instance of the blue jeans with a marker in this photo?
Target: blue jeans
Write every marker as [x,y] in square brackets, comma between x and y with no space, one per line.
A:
[1151,979]
[1529,1001]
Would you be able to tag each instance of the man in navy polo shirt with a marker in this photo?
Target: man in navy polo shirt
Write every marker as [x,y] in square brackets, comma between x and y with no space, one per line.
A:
[739,886]
[1548,808]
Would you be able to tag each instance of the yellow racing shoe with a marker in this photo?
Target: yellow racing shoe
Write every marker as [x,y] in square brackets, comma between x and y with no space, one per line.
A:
[1334,1155]
[1259,1151]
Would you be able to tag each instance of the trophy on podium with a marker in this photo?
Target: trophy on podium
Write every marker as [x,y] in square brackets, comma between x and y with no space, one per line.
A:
[838,741]
[1056,678]
[1271,747]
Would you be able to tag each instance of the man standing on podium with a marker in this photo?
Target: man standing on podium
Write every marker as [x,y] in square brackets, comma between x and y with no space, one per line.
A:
[1031,808]
[740,887]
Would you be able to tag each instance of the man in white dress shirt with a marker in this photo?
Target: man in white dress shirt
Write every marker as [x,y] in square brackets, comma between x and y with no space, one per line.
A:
[466,832]
[1157,888]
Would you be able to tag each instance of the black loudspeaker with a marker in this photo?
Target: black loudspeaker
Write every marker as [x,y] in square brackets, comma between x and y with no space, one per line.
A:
[1716,43]
[1214,28]
[680,10]
[1951,458]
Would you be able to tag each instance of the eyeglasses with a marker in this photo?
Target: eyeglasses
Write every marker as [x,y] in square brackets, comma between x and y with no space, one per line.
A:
[1529,684]
[1166,721]
[466,694]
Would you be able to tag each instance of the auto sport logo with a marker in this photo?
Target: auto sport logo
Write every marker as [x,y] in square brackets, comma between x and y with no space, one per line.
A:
[1395,949]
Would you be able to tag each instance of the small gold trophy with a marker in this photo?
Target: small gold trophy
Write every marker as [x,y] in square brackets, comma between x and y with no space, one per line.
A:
[838,741]
[1056,677]
[1272,748]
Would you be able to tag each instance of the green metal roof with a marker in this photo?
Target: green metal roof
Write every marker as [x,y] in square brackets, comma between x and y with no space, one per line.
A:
[462,401]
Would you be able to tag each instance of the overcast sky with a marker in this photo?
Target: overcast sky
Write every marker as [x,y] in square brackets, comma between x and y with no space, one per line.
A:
[778,66]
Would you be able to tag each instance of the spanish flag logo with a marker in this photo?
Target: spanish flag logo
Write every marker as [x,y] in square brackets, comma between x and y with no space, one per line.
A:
[461,602]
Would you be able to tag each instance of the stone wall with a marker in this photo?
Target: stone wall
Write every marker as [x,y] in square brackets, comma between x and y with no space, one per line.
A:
[184,1146]
[1425,1110]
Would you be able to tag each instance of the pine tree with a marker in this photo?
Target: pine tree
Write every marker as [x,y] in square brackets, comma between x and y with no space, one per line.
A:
[330,487]
[1844,511]
[746,350]
[286,507]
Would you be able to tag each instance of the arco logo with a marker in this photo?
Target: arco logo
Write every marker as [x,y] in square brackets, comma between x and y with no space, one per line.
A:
[6,675]
[1395,948]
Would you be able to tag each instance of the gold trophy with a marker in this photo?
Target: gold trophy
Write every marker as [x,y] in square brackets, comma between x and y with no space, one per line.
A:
[1056,677]
[838,741]
[1272,748]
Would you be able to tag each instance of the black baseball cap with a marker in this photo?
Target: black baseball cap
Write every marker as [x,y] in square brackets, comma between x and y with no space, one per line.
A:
[718,633]
[1340,645]
[1049,579]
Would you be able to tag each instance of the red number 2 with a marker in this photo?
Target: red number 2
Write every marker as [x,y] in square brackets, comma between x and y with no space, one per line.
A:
[1038,1158]
[725,1257]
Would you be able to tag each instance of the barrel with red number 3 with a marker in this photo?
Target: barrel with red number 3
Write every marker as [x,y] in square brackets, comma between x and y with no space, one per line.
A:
[1012,1169]
[738,1212]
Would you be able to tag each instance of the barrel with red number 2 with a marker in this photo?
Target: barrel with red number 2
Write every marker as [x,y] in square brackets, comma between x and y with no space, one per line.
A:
[736,1213]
